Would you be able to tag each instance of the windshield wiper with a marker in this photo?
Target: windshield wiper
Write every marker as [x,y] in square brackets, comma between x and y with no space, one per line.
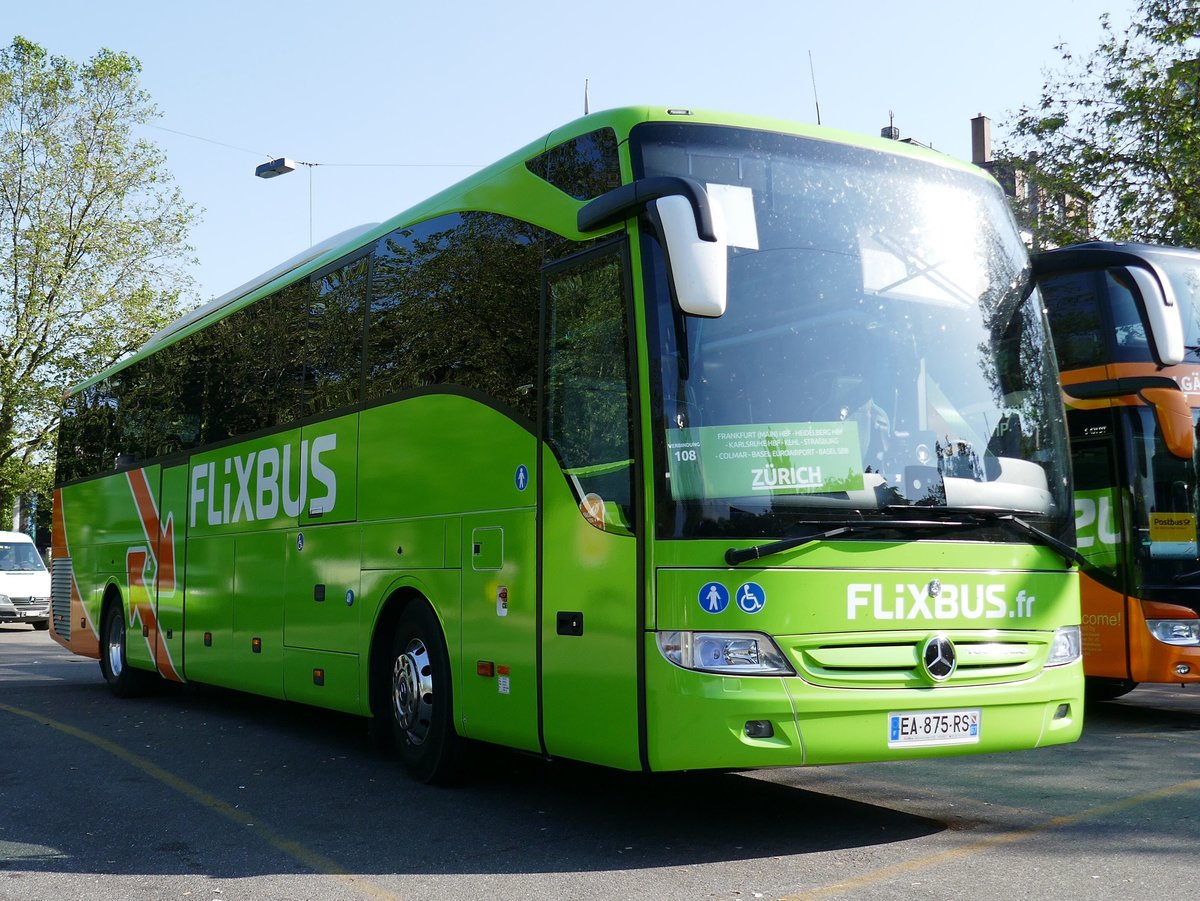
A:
[734,555]
[1067,552]
[963,517]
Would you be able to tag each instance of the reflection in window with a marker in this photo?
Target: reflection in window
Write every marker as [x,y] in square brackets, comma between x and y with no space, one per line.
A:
[454,301]
[1129,330]
[588,416]
[333,342]
[584,167]
[1076,322]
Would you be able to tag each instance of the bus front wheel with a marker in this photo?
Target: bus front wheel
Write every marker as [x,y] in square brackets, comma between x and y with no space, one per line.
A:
[419,699]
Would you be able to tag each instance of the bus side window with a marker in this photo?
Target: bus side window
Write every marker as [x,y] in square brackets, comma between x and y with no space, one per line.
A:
[588,419]
[1129,329]
[1076,321]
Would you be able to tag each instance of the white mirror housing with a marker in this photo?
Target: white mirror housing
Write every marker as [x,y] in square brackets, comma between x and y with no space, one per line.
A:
[1162,314]
[699,268]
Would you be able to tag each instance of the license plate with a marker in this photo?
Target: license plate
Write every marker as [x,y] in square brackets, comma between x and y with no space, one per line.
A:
[921,728]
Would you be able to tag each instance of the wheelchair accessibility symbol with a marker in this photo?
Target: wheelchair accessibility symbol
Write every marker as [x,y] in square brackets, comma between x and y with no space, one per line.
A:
[750,597]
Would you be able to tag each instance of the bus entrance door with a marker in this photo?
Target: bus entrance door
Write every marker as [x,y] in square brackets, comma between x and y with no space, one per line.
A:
[590,623]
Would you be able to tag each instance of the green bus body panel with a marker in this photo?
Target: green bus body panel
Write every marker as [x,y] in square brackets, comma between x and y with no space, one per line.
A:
[258,613]
[321,587]
[798,601]
[590,681]
[499,620]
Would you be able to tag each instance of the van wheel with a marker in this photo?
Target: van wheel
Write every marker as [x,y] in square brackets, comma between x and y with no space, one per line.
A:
[123,681]
[420,702]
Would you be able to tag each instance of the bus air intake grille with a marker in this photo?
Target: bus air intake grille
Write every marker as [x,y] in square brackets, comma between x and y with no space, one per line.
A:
[61,575]
[893,660]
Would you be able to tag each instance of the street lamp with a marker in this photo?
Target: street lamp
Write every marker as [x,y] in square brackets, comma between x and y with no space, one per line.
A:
[283,166]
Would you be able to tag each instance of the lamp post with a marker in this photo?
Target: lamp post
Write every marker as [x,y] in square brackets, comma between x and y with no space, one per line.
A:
[283,166]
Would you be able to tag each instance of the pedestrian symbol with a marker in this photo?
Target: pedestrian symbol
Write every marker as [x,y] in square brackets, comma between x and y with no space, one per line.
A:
[714,597]
[751,598]
[521,478]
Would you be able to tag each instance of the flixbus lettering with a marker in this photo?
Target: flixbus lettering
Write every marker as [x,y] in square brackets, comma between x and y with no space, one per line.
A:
[257,485]
[948,601]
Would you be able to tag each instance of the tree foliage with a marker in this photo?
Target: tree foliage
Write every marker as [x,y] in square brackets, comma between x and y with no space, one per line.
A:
[1120,128]
[93,240]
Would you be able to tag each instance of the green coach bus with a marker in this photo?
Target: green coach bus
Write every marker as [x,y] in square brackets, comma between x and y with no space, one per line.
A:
[673,440]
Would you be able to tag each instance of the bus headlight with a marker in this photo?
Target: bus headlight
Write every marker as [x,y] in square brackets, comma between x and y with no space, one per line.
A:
[1175,631]
[728,653]
[1067,646]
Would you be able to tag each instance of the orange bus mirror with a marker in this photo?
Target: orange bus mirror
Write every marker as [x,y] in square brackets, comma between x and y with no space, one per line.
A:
[1174,420]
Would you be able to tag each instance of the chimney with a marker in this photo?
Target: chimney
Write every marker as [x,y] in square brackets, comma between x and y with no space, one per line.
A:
[981,140]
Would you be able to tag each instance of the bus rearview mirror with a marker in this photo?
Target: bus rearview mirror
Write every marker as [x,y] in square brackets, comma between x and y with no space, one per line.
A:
[1162,315]
[699,268]
[1174,417]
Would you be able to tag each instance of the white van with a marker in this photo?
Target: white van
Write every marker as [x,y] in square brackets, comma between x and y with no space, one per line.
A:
[24,582]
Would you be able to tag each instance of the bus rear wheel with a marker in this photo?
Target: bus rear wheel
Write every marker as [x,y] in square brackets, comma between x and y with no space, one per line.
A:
[123,680]
[420,703]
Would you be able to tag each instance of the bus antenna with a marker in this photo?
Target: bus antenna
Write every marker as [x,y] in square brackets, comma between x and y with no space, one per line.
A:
[585,97]
[813,74]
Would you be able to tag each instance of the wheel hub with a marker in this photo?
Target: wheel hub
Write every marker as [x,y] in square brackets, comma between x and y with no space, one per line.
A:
[412,691]
[116,638]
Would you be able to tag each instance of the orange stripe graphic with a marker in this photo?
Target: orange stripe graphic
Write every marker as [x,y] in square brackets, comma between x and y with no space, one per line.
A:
[137,559]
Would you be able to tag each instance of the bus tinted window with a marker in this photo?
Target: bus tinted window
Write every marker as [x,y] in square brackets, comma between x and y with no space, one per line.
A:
[256,373]
[333,341]
[584,167]
[1076,322]
[1129,331]
[454,301]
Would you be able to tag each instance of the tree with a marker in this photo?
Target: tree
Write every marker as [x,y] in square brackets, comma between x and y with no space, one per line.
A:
[1120,130]
[93,241]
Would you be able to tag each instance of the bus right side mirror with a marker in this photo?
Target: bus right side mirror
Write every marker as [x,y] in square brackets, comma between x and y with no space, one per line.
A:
[1174,417]
[1162,314]
[699,268]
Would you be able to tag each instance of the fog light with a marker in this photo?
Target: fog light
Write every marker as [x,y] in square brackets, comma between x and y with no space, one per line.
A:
[1063,711]
[1182,669]
[759,729]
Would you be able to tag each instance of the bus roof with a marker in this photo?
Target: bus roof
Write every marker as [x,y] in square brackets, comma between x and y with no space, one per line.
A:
[485,190]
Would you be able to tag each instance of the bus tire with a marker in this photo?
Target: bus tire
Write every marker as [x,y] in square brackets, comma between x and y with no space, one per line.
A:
[123,680]
[1097,689]
[419,697]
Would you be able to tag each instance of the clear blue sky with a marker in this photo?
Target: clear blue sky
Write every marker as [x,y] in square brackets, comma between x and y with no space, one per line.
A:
[452,85]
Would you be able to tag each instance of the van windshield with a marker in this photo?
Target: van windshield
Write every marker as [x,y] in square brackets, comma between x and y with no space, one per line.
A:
[20,556]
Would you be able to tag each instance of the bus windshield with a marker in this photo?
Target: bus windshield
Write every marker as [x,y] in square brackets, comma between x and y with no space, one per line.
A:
[1163,511]
[1183,272]
[883,347]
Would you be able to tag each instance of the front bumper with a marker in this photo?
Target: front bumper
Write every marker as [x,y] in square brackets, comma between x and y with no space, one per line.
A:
[699,720]
[20,610]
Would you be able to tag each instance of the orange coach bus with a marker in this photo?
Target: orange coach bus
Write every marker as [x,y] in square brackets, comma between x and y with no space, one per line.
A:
[1125,321]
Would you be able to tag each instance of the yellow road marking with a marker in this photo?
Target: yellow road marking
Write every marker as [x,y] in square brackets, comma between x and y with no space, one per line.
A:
[306,856]
[994,841]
